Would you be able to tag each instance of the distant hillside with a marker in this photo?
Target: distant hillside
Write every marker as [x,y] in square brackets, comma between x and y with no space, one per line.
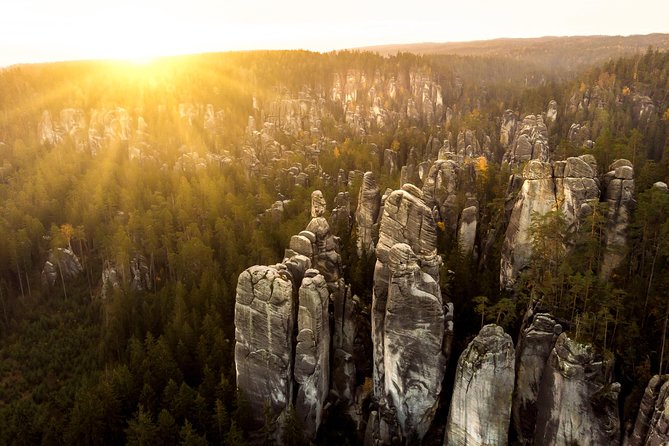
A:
[570,53]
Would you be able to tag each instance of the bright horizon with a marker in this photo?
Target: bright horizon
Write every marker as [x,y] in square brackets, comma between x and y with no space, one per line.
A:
[45,31]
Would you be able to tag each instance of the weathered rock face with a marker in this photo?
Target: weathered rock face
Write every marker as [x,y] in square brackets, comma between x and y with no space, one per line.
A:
[312,352]
[367,213]
[340,219]
[62,261]
[652,423]
[264,321]
[405,410]
[536,195]
[406,219]
[577,402]
[565,185]
[390,162]
[467,230]
[534,346]
[530,141]
[413,334]
[618,185]
[481,403]
[551,112]
[141,276]
[507,131]
[326,258]
[111,279]
[579,135]
[317,204]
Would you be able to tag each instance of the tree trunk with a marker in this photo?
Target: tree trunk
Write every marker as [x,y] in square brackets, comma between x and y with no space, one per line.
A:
[650,282]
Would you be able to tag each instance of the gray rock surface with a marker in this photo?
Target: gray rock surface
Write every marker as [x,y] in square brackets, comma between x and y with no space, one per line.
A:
[265,312]
[651,427]
[61,261]
[317,204]
[340,218]
[367,213]
[312,352]
[507,131]
[406,220]
[412,351]
[618,191]
[565,185]
[467,230]
[481,404]
[551,112]
[577,402]
[530,141]
[535,344]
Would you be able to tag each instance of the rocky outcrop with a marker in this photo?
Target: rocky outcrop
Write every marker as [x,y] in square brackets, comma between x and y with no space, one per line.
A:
[652,422]
[62,262]
[536,195]
[481,403]
[618,186]
[405,399]
[530,141]
[577,402]
[367,213]
[340,218]
[265,311]
[447,181]
[390,165]
[412,345]
[507,131]
[317,204]
[569,186]
[535,344]
[579,136]
[312,351]
[111,279]
[551,112]
[467,230]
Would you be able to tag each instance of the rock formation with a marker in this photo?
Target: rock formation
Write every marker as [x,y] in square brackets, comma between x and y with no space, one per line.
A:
[535,344]
[367,213]
[403,377]
[577,402]
[481,402]
[551,112]
[317,204]
[467,230]
[530,141]
[340,219]
[312,351]
[264,321]
[618,186]
[565,185]
[652,422]
[412,345]
[507,131]
[61,262]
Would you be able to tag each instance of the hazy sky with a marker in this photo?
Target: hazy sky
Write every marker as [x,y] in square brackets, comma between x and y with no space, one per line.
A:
[39,30]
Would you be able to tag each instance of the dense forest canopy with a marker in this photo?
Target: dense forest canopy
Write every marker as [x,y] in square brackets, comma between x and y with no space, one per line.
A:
[149,189]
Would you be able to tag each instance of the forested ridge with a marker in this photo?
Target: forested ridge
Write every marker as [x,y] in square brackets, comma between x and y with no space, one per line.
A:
[160,182]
